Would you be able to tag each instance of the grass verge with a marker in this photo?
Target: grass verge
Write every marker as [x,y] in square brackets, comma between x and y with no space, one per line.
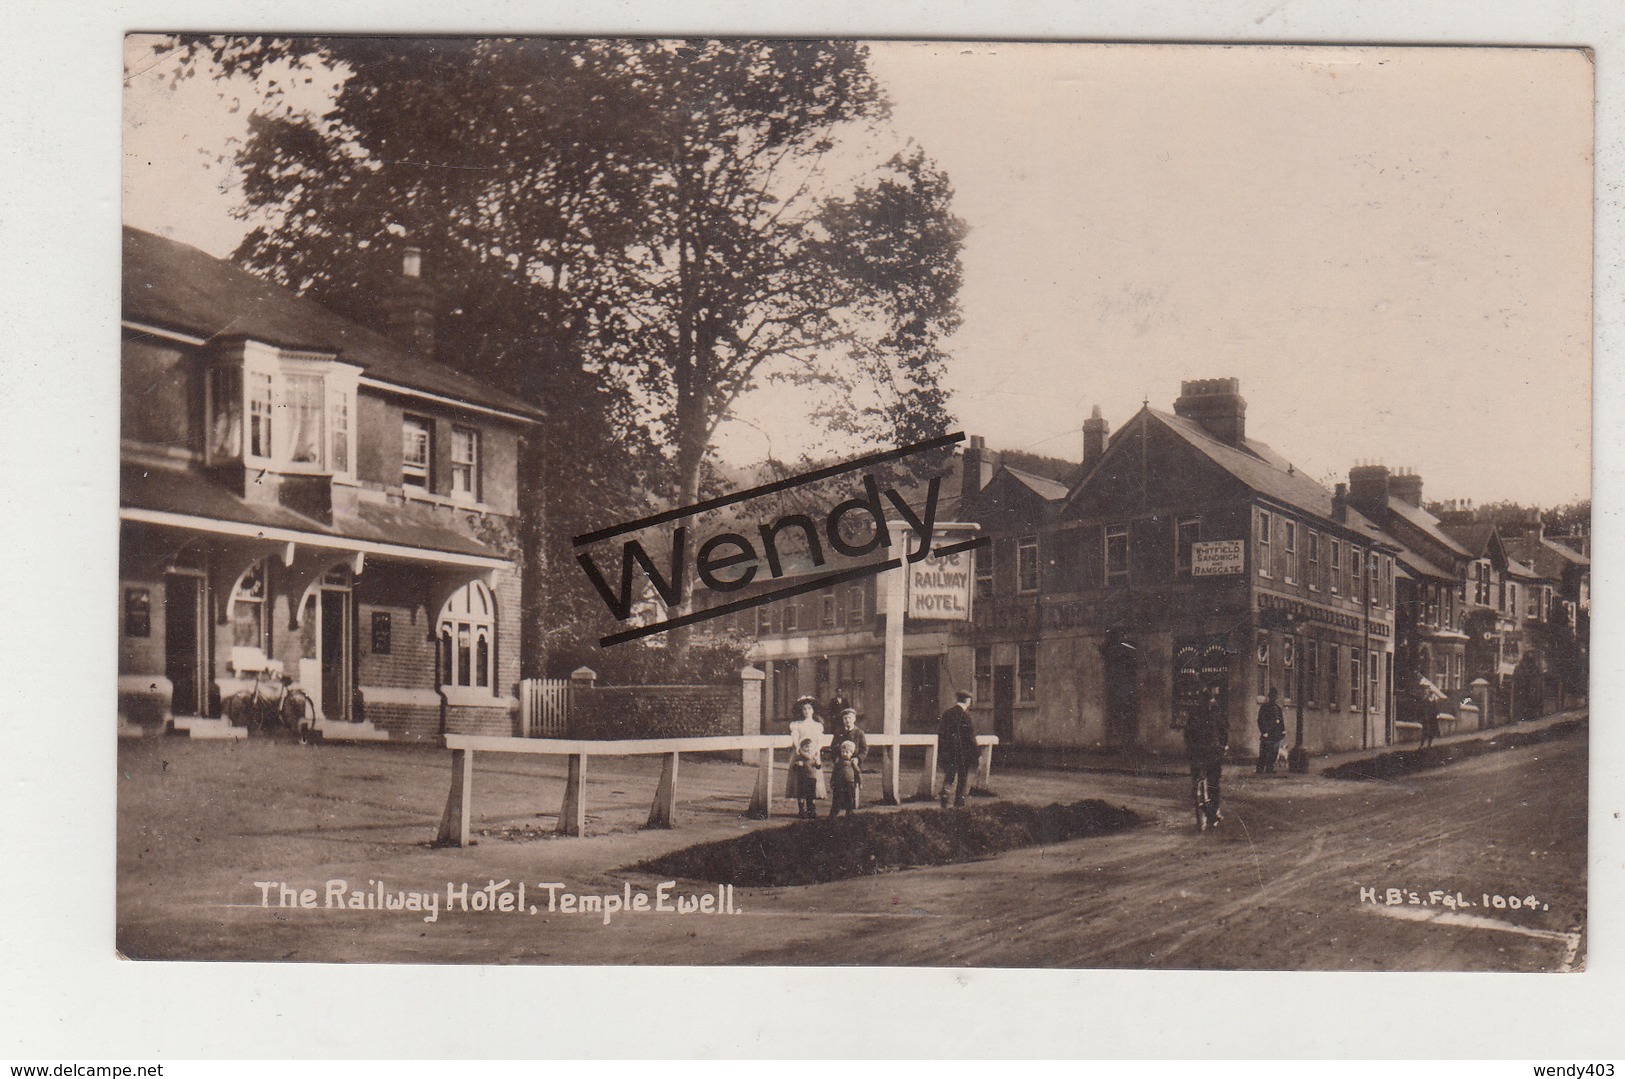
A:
[813,852]
[1405,762]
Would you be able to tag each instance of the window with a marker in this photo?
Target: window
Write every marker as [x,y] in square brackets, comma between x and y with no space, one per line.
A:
[1481,583]
[854,606]
[984,572]
[1373,696]
[341,431]
[1289,541]
[380,633]
[1456,662]
[225,414]
[1027,673]
[1512,599]
[1335,577]
[138,613]
[826,604]
[467,637]
[1355,561]
[465,464]
[1289,667]
[1116,555]
[259,415]
[1187,534]
[1264,568]
[984,673]
[417,453]
[1027,565]
[302,398]
[1354,678]
[1373,582]
[1449,608]
[792,615]
[1331,675]
[1261,651]
[1311,670]
[764,619]
[1313,572]
[249,617]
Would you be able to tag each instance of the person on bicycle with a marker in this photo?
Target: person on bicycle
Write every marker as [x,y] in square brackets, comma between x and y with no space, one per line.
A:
[1207,736]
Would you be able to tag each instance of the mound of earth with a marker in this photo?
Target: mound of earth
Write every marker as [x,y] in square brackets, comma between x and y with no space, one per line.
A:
[1404,762]
[812,852]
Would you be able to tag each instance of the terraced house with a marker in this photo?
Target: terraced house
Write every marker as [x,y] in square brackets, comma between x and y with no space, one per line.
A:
[302,495]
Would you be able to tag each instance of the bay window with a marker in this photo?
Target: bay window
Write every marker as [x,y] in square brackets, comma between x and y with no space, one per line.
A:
[280,410]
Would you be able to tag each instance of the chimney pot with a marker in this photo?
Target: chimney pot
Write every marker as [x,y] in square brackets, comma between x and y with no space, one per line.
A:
[1216,405]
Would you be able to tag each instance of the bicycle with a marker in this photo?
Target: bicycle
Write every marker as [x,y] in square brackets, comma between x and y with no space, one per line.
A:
[273,705]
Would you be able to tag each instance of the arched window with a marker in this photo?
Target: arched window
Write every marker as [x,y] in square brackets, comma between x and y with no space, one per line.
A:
[467,638]
[250,616]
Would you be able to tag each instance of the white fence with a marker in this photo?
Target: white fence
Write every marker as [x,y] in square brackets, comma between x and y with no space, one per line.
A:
[544,706]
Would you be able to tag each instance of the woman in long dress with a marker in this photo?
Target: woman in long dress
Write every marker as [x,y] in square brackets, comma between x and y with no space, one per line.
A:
[806,725]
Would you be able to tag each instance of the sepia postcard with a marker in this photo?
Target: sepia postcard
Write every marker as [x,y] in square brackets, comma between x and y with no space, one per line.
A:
[829,503]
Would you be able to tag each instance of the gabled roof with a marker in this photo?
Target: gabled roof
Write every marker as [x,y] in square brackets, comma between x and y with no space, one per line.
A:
[1548,559]
[1427,524]
[1266,472]
[174,286]
[1047,489]
[1474,537]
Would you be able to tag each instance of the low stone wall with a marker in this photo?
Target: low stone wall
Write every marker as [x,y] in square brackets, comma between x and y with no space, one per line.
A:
[606,712]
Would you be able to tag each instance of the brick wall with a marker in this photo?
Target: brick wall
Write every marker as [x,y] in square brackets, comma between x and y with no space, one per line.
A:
[656,712]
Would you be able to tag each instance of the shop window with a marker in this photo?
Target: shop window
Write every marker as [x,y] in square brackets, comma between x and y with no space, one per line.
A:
[1117,573]
[1027,565]
[1027,673]
[467,637]
[250,617]
[1187,534]
[417,451]
[381,633]
[465,464]
[137,612]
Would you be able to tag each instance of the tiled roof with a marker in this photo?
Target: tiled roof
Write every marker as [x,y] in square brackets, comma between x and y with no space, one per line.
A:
[1473,537]
[1428,524]
[1547,558]
[193,495]
[1046,489]
[177,287]
[1270,474]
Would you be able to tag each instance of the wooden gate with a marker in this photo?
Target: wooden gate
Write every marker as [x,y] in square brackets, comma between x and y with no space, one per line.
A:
[544,706]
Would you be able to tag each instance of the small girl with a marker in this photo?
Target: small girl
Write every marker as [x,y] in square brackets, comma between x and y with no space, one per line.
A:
[845,781]
[805,767]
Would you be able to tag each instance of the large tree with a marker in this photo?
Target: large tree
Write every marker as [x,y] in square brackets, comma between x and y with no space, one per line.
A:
[633,233]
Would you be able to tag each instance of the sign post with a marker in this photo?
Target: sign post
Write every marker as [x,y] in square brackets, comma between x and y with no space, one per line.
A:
[935,588]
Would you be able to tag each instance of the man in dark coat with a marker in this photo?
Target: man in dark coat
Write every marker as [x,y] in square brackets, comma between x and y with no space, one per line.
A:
[1207,736]
[1271,733]
[956,747]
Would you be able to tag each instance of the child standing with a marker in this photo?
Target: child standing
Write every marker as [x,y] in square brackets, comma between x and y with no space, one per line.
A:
[845,781]
[805,767]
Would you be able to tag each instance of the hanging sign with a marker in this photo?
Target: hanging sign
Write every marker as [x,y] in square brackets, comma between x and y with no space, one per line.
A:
[1217,558]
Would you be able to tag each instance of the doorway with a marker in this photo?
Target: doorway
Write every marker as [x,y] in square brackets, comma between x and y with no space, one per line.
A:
[923,687]
[1004,704]
[186,657]
[1122,690]
[337,655]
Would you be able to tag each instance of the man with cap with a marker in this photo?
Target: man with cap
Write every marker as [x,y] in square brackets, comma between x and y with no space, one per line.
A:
[956,747]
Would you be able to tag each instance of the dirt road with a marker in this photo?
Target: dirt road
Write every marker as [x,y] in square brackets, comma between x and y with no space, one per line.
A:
[1278,887]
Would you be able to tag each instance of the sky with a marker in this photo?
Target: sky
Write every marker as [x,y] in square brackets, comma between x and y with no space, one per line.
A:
[1390,248]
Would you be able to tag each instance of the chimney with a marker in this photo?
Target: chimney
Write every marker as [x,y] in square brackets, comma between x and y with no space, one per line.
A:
[1217,405]
[1340,502]
[976,469]
[1094,440]
[409,307]
[1407,487]
[1369,486]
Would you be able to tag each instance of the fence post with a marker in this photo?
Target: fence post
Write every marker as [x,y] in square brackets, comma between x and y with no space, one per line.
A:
[928,775]
[761,799]
[750,705]
[573,813]
[460,802]
[665,803]
[984,766]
